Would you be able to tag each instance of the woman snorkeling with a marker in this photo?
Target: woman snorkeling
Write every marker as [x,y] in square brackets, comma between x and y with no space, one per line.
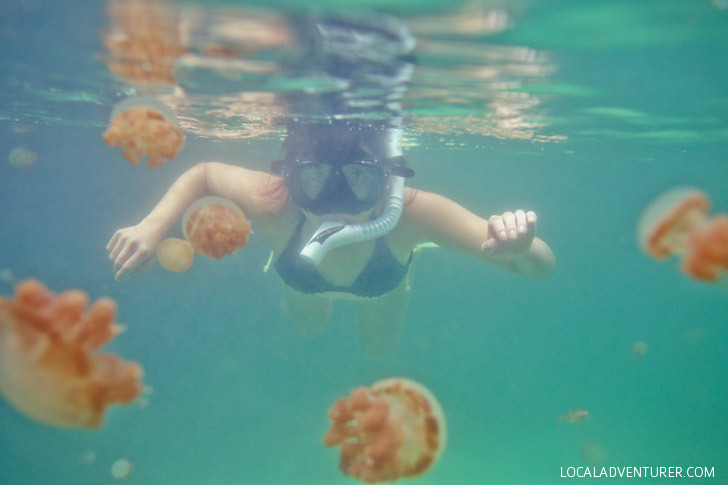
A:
[334,210]
[341,175]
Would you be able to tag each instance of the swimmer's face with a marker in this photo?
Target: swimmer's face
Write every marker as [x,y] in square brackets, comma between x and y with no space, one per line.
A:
[347,180]
[342,169]
[348,188]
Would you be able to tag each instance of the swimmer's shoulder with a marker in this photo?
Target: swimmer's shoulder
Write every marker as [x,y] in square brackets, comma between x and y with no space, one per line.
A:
[408,232]
[259,194]
[425,216]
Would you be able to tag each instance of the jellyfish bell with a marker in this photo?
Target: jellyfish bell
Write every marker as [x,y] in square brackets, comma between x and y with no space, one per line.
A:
[666,223]
[391,430]
[21,157]
[121,469]
[175,255]
[209,200]
[215,226]
[145,102]
[144,126]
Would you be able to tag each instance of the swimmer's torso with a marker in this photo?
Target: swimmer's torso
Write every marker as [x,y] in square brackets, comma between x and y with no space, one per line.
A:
[366,269]
[278,223]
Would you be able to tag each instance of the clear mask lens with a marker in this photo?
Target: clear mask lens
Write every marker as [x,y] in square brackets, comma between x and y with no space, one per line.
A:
[362,179]
[311,179]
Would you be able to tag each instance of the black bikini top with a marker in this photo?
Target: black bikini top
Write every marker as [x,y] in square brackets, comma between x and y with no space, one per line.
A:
[382,273]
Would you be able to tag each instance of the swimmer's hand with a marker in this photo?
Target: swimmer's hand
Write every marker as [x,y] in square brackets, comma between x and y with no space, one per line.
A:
[509,234]
[132,249]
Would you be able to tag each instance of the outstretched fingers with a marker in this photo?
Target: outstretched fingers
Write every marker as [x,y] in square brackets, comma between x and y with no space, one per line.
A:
[115,245]
[124,253]
[137,262]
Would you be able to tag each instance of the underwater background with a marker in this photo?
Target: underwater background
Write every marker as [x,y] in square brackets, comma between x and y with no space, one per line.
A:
[581,111]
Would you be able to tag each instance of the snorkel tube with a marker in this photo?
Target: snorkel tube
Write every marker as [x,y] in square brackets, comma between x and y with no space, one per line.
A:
[333,234]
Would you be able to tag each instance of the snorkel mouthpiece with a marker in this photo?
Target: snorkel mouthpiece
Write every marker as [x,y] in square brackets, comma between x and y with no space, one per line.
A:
[333,234]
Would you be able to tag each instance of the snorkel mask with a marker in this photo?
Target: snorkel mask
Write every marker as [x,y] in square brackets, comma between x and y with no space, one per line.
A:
[351,187]
[329,187]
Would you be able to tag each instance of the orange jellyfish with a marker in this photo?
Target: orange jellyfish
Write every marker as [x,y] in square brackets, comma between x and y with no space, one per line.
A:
[144,41]
[677,223]
[215,227]
[175,255]
[48,366]
[394,429]
[144,126]
[708,256]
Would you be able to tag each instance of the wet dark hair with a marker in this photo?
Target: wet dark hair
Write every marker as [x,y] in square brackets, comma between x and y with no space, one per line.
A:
[332,141]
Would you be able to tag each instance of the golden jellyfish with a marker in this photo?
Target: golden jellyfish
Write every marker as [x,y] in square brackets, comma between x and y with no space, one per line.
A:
[49,369]
[144,41]
[391,430]
[677,223]
[215,227]
[143,126]
[21,157]
[175,255]
[707,258]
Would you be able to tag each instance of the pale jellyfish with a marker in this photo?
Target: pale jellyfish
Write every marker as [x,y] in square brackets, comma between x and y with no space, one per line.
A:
[215,227]
[575,416]
[175,254]
[21,157]
[391,430]
[593,453]
[639,349]
[7,276]
[87,458]
[121,469]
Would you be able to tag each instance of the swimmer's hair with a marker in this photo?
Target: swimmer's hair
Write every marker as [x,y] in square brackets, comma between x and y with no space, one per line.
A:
[277,192]
[332,139]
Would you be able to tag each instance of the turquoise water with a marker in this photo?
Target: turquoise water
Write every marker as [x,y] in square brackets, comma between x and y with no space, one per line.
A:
[587,111]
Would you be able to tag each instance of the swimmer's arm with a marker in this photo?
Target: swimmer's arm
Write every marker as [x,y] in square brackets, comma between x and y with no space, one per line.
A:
[433,217]
[132,248]
[244,187]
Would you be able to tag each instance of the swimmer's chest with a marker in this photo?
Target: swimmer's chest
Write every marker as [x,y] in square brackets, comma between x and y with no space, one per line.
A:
[340,267]
[343,265]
